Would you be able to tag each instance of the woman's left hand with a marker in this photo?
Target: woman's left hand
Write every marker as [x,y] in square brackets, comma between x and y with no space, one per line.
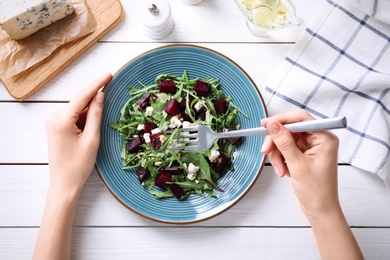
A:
[73,135]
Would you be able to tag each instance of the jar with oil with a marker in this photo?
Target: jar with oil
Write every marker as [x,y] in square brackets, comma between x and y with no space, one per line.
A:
[263,16]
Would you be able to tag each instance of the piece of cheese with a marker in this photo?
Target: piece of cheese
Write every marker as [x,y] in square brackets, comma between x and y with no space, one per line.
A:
[21,18]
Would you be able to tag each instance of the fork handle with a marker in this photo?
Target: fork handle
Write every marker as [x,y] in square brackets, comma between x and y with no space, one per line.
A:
[304,126]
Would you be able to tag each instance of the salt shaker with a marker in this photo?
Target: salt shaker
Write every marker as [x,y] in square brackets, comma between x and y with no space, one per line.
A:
[155,16]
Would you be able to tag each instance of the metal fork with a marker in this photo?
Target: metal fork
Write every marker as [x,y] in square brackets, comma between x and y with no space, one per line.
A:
[202,137]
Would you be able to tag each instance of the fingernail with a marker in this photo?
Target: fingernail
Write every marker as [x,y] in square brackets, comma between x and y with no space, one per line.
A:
[273,128]
[100,97]
[277,172]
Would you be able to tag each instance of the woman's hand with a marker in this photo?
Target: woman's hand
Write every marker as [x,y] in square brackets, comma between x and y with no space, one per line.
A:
[73,135]
[310,159]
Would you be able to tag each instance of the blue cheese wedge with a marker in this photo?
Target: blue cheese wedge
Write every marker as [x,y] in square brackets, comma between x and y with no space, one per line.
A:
[21,18]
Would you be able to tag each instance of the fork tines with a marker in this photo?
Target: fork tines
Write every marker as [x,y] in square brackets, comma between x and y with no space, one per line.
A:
[187,129]
[189,138]
[190,132]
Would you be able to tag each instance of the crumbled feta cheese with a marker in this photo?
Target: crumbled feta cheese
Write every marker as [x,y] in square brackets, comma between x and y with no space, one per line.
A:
[198,106]
[175,122]
[191,176]
[158,163]
[213,155]
[149,111]
[192,167]
[178,123]
[147,137]
[162,138]
[192,170]
[165,114]
[141,127]
[186,124]
[155,130]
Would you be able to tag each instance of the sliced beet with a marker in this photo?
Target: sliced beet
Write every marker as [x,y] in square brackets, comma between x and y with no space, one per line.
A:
[149,126]
[141,173]
[220,163]
[155,141]
[154,97]
[220,106]
[177,190]
[173,107]
[233,140]
[166,86]
[185,117]
[134,145]
[183,103]
[201,88]
[144,100]
[202,115]
[173,169]
[162,178]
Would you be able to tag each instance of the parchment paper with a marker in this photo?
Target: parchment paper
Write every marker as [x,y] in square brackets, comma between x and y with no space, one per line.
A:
[18,56]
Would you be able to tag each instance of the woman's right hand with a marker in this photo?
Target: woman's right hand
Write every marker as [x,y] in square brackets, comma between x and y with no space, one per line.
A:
[310,159]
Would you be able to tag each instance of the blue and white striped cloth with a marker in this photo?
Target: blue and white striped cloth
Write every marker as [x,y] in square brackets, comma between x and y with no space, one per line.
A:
[340,66]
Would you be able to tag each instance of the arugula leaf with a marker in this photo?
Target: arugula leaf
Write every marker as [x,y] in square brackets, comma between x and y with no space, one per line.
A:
[204,171]
[161,194]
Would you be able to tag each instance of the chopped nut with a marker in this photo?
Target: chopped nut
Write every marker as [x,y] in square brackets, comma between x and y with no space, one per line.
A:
[162,138]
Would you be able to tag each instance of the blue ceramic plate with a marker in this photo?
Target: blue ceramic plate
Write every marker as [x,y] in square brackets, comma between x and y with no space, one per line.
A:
[248,161]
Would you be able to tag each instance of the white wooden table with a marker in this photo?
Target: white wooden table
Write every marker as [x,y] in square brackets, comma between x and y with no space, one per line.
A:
[266,224]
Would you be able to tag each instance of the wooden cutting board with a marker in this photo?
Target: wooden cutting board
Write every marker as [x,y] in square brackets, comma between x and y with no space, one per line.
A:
[108,13]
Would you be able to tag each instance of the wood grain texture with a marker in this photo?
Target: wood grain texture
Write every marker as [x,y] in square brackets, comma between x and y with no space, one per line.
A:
[270,203]
[266,224]
[210,21]
[107,14]
[111,56]
[191,243]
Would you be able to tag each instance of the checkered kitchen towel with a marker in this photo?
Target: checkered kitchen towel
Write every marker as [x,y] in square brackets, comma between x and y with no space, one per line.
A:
[340,66]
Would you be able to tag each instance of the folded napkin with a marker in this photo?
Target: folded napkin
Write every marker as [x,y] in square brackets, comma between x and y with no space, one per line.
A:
[340,66]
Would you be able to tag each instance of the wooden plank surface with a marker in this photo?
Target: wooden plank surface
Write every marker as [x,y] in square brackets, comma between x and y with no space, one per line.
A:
[111,56]
[271,202]
[266,224]
[211,21]
[191,243]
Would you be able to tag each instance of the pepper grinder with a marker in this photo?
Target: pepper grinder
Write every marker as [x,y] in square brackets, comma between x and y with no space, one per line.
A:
[155,16]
